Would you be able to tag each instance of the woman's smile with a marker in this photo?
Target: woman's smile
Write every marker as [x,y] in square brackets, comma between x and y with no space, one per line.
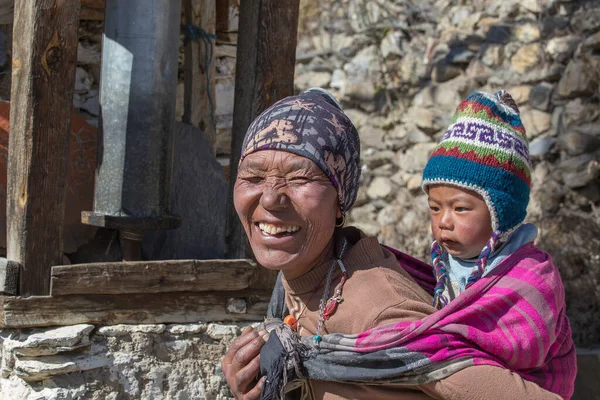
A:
[288,208]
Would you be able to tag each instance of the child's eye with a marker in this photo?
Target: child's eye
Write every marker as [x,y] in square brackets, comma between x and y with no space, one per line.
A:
[461,209]
[434,209]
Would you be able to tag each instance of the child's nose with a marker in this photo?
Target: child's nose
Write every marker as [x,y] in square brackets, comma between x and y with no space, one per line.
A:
[445,221]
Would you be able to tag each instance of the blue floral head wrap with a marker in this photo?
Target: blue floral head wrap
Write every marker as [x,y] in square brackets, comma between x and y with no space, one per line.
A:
[312,125]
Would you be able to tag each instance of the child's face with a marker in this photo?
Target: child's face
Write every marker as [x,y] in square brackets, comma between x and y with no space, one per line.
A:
[460,220]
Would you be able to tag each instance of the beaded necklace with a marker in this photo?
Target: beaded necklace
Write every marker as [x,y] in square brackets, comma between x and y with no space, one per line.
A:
[326,306]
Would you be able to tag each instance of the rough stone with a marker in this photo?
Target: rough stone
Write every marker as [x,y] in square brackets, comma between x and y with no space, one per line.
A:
[88,54]
[220,332]
[586,20]
[194,163]
[236,306]
[535,121]
[574,170]
[310,79]
[375,159]
[427,119]
[42,368]
[51,341]
[415,159]
[562,48]
[535,6]
[526,32]
[444,71]
[577,256]
[443,96]
[576,81]
[125,330]
[575,143]
[388,215]
[83,80]
[371,137]
[362,74]
[591,42]
[499,34]
[520,93]
[92,102]
[391,45]
[182,329]
[369,228]
[526,58]
[540,96]
[541,146]
[338,78]
[380,188]
[577,112]
[493,55]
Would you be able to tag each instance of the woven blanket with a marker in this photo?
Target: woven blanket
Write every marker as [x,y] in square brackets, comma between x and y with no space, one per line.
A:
[512,318]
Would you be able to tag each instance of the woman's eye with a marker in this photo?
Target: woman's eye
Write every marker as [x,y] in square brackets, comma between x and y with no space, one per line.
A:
[255,180]
[299,180]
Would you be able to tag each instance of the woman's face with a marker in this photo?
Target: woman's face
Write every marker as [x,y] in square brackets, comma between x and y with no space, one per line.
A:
[288,208]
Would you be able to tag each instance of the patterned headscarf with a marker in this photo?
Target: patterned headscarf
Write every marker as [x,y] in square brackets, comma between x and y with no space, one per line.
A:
[312,125]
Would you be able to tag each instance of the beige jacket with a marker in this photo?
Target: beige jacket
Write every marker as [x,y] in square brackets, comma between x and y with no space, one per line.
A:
[378,291]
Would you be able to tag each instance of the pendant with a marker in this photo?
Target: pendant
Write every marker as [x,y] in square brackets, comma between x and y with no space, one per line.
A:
[291,321]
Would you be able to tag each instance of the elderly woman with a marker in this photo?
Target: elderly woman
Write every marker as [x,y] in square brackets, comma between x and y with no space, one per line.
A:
[298,177]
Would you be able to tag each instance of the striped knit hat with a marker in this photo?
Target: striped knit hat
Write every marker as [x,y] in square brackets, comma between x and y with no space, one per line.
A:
[486,150]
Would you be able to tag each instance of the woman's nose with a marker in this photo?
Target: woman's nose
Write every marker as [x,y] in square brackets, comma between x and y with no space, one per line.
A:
[273,198]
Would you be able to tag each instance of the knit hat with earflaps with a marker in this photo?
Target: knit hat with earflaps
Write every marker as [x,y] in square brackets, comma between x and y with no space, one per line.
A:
[485,150]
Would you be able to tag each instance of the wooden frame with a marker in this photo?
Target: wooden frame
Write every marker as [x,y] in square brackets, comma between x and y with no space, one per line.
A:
[44,57]
[43,76]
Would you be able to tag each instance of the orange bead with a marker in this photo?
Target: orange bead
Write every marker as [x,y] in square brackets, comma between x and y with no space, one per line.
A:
[291,321]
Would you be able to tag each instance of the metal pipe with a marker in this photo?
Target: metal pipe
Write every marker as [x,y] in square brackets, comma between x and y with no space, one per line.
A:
[137,103]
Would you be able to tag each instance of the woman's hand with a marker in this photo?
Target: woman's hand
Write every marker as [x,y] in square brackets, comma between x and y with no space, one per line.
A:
[241,364]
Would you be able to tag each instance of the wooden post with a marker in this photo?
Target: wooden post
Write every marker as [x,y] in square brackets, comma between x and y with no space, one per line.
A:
[43,77]
[266,57]
[199,76]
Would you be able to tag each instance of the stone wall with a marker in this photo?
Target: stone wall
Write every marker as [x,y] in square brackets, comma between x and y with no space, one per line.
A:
[118,362]
[400,69]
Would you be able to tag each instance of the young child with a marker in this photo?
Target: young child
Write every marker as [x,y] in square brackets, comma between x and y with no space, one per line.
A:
[478,181]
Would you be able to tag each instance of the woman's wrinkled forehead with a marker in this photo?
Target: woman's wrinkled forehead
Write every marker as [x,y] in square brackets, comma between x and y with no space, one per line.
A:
[312,125]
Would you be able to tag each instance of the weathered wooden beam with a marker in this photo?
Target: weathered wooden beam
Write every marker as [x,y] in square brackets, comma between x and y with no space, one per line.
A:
[199,104]
[90,9]
[43,75]
[9,277]
[37,311]
[152,277]
[266,55]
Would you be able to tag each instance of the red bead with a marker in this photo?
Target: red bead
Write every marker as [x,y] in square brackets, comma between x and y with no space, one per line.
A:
[291,321]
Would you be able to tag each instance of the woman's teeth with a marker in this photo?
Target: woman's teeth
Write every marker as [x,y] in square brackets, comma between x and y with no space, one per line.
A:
[275,230]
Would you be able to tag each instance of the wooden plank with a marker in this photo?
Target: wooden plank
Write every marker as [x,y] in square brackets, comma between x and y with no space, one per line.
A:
[9,277]
[227,14]
[199,103]
[152,277]
[266,56]
[182,307]
[43,76]
[90,9]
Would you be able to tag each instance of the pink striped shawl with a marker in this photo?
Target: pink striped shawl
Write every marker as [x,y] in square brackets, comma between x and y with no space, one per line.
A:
[513,317]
